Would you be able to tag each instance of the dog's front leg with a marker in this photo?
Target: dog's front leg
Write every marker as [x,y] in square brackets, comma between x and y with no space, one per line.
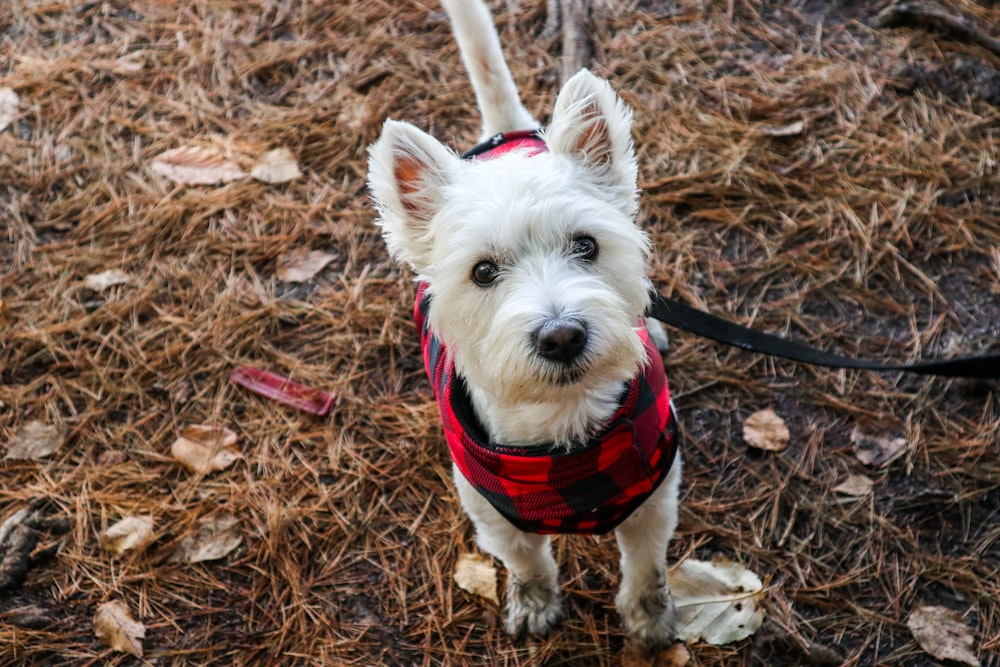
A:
[534,603]
[643,599]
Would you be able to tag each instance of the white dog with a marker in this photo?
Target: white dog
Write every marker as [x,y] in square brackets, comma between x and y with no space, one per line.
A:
[531,294]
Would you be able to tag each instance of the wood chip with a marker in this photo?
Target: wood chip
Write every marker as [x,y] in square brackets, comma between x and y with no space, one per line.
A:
[105,279]
[789,130]
[8,107]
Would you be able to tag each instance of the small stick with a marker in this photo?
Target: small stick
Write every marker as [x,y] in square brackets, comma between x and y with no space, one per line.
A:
[575,41]
[934,18]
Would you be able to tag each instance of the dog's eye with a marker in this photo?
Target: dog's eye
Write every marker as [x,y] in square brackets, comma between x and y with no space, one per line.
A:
[485,273]
[584,247]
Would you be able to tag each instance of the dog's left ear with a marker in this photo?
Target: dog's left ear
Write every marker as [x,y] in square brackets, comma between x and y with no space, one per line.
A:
[407,173]
[593,125]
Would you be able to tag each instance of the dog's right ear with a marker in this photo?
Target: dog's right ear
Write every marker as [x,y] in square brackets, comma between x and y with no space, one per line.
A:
[407,173]
[591,124]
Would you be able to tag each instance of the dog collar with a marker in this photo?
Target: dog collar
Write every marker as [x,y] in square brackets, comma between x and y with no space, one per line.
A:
[590,489]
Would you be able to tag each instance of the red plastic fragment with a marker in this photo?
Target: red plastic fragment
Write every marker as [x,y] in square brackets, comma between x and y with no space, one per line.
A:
[281,389]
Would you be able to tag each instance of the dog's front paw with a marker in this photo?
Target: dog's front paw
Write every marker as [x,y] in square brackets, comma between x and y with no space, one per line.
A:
[649,616]
[533,607]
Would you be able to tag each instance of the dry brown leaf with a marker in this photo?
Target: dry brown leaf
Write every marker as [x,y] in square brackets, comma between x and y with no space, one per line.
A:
[35,440]
[277,166]
[766,430]
[114,625]
[474,574]
[717,602]
[877,451]
[857,486]
[217,536]
[789,130]
[942,633]
[205,449]
[8,107]
[301,265]
[111,457]
[636,655]
[195,165]
[127,64]
[105,279]
[129,533]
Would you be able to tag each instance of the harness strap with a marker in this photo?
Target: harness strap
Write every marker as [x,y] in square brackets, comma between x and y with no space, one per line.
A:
[507,141]
[686,318]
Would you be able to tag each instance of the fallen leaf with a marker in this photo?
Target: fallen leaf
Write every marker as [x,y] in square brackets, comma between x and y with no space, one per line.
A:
[205,449]
[8,107]
[277,166]
[789,130]
[942,633]
[857,486]
[217,536]
[128,64]
[766,430]
[717,602]
[114,625]
[111,457]
[127,534]
[637,655]
[281,389]
[876,451]
[475,575]
[106,279]
[301,265]
[195,165]
[35,440]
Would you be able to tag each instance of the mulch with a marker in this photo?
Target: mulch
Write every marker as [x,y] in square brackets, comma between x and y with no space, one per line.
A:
[804,170]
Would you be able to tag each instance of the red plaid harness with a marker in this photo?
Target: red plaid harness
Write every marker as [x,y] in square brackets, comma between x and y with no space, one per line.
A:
[589,489]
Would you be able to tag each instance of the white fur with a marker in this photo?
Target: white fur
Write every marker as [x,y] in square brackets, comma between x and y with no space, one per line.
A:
[442,216]
[479,44]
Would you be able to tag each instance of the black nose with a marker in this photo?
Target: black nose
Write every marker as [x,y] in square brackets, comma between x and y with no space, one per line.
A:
[561,340]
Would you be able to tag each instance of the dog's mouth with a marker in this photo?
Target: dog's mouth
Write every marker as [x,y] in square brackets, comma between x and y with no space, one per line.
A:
[565,376]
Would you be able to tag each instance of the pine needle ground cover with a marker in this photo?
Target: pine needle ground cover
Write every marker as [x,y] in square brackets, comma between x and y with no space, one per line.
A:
[805,170]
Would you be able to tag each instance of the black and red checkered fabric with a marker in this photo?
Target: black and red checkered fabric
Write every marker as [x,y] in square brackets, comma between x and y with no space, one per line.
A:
[589,489]
[529,141]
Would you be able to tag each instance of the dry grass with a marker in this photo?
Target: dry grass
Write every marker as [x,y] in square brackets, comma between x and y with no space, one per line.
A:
[873,230]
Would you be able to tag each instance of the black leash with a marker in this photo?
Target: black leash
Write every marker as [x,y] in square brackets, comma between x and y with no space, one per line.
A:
[698,322]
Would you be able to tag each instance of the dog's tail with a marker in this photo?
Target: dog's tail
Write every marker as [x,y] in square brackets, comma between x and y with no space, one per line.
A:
[499,102]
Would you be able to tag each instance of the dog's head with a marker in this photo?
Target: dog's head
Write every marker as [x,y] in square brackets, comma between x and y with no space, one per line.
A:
[534,264]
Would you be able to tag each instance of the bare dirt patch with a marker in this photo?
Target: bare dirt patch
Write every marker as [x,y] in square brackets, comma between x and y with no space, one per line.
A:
[804,171]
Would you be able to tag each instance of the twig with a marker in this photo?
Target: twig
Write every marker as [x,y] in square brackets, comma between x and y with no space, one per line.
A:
[575,42]
[934,18]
